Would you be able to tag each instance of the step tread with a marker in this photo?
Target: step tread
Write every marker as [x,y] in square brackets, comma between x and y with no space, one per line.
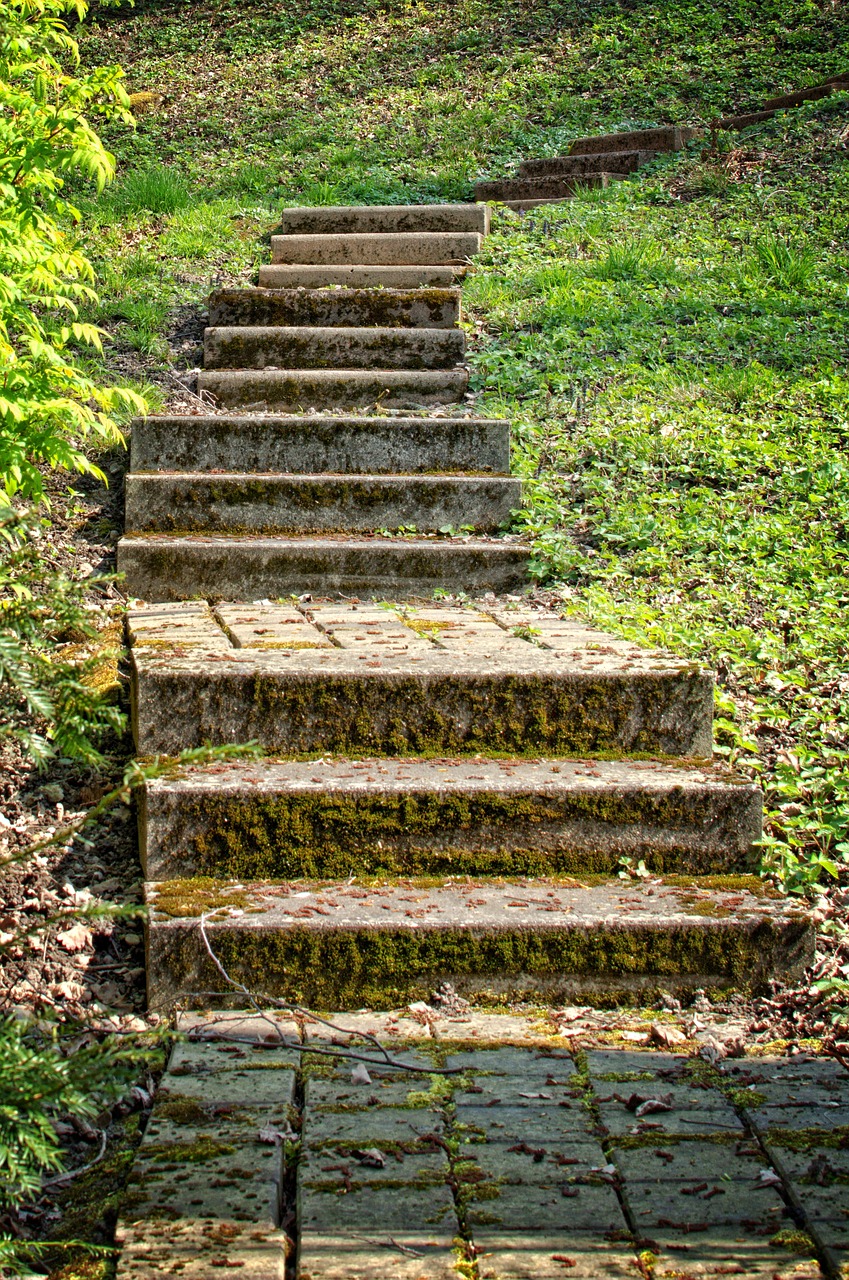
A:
[544,188]
[364,248]
[401,308]
[299,389]
[342,219]
[358,276]
[331,347]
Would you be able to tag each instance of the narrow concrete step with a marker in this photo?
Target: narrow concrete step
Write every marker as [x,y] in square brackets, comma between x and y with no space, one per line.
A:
[170,502]
[400,249]
[296,390]
[383,218]
[552,188]
[157,567]
[813,94]
[665,138]
[611,162]
[273,347]
[326,819]
[359,277]
[347,945]
[311,444]
[439,681]
[743,122]
[355,308]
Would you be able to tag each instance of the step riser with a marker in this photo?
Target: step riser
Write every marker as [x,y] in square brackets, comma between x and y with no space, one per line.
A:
[359,277]
[615,161]
[368,712]
[161,569]
[420,249]
[312,445]
[258,831]
[287,391]
[384,219]
[297,348]
[666,138]
[556,188]
[336,968]
[803,95]
[315,504]
[408,309]
[742,122]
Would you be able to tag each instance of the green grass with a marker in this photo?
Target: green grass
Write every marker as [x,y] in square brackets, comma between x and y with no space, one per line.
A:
[672,350]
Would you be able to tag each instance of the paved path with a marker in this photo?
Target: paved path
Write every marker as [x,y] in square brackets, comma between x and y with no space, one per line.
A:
[510,1155]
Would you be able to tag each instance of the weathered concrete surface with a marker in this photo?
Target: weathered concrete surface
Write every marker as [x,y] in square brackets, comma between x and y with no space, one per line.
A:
[443,681]
[165,502]
[274,347]
[559,187]
[665,138]
[294,391]
[406,308]
[205,1191]
[287,819]
[158,567]
[397,249]
[383,218]
[346,945]
[610,162]
[314,444]
[742,122]
[796,99]
[416,276]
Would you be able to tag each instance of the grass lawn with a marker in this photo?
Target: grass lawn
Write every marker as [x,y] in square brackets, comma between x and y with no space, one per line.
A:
[672,350]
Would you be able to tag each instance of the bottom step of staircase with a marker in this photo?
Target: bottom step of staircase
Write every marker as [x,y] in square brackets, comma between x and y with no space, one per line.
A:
[246,568]
[350,945]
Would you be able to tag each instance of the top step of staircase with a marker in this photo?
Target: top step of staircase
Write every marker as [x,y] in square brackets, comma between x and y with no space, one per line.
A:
[384,218]
[667,137]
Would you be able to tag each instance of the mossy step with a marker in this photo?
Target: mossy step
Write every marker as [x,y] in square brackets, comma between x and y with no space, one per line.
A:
[335,347]
[610,162]
[344,219]
[168,502]
[324,819]
[397,249]
[559,187]
[158,567]
[664,138]
[382,944]
[296,390]
[743,121]
[371,680]
[419,276]
[354,308]
[312,444]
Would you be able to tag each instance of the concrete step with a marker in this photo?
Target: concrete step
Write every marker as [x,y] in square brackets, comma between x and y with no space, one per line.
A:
[384,218]
[556,188]
[311,444]
[326,819]
[272,347]
[350,945]
[400,249]
[355,308]
[268,503]
[557,166]
[812,94]
[743,121]
[296,390]
[359,277]
[364,680]
[664,138]
[161,568]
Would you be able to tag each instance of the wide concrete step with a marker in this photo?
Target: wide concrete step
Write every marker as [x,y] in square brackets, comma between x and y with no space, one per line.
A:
[268,346]
[370,680]
[557,188]
[325,819]
[665,138]
[162,568]
[351,945]
[296,390]
[399,249]
[267,442]
[384,218]
[417,276]
[355,308]
[800,96]
[609,162]
[169,502]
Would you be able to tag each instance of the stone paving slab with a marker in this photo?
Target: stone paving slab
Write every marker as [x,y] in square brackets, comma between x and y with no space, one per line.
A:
[665,138]
[535,686]
[334,817]
[315,443]
[549,1255]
